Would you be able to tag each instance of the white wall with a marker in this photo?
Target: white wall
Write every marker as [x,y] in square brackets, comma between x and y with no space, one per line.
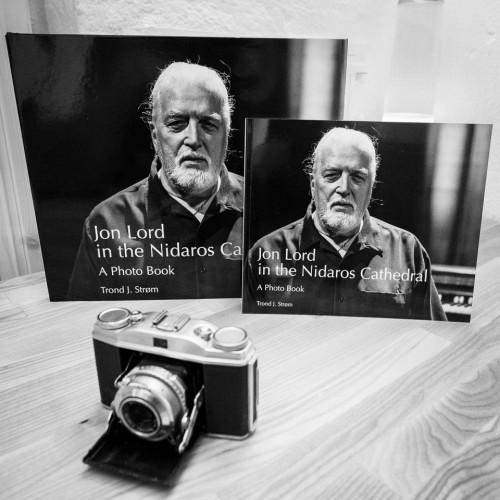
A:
[468,88]
[19,245]
[467,83]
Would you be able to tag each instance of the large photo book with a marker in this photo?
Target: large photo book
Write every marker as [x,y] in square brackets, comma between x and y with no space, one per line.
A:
[372,219]
[102,149]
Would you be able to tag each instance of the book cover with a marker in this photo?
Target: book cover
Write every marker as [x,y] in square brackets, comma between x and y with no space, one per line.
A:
[370,219]
[86,110]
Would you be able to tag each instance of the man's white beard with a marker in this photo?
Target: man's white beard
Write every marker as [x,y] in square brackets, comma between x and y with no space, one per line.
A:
[340,224]
[189,180]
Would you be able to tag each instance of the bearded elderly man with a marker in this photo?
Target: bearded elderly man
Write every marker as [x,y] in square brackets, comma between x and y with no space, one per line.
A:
[339,260]
[177,233]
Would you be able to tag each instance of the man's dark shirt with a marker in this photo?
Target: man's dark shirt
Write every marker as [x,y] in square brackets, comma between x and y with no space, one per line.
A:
[362,283]
[169,253]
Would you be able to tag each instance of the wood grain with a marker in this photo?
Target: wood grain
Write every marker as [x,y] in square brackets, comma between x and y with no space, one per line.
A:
[410,456]
[349,408]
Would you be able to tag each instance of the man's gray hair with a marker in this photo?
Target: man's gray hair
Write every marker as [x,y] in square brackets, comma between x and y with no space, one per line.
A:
[188,71]
[348,133]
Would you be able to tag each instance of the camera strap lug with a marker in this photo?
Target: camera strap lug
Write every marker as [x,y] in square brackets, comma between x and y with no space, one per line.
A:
[198,401]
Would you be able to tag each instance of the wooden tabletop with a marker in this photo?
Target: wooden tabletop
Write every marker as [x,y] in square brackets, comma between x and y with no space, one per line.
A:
[349,408]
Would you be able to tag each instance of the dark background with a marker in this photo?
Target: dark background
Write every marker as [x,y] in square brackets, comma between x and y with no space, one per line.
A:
[79,100]
[430,181]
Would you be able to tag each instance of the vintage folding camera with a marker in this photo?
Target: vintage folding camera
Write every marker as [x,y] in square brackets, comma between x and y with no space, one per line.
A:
[165,378]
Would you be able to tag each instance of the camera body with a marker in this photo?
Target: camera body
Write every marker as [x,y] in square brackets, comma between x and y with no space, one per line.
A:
[163,376]
[223,360]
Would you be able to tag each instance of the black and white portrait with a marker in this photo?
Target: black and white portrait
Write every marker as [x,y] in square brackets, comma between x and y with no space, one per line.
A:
[135,152]
[363,218]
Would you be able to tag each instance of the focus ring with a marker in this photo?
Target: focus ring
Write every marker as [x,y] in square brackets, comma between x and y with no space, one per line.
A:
[163,375]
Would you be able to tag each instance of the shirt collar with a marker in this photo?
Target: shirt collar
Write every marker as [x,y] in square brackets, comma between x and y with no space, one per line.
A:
[229,195]
[369,237]
[341,249]
[200,212]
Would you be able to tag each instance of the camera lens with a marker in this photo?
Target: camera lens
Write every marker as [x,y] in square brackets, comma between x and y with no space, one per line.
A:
[139,417]
[151,403]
